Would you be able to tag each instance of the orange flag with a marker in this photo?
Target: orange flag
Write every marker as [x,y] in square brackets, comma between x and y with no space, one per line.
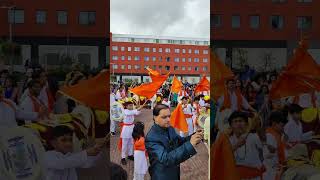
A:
[222,163]
[149,89]
[97,97]
[204,85]
[219,73]
[176,85]
[153,72]
[178,120]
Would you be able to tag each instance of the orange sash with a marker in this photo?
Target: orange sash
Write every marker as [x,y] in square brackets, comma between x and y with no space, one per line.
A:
[227,100]
[120,139]
[281,149]
[139,145]
[188,115]
[246,172]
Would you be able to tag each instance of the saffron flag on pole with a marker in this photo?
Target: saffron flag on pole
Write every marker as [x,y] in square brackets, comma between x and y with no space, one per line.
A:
[178,120]
[204,85]
[176,85]
[97,97]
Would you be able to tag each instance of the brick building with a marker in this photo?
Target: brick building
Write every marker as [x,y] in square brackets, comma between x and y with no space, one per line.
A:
[262,29]
[50,30]
[186,58]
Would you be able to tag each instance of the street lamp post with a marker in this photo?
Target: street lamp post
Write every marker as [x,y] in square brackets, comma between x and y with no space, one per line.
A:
[10,30]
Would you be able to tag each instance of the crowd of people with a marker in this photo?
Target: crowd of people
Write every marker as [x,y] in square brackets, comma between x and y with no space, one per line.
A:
[36,99]
[260,131]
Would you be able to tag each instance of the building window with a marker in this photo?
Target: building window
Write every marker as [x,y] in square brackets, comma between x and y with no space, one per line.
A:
[216,20]
[146,58]
[129,49]
[136,49]
[16,16]
[115,66]
[52,59]
[136,58]
[168,59]
[177,51]
[122,58]
[196,68]
[136,66]
[189,68]
[160,49]
[196,59]
[154,49]
[160,59]
[167,50]
[189,60]
[176,59]
[175,68]
[183,51]
[84,58]
[154,58]
[123,66]
[114,48]
[196,51]
[41,17]
[154,67]
[183,59]
[129,58]
[205,52]
[183,68]
[87,17]
[235,21]
[167,68]
[205,68]
[190,51]
[205,60]
[122,48]
[115,58]
[146,49]
[254,22]
[305,1]
[129,66]
[305,22]
[160,67]
[62,17]
[276,22]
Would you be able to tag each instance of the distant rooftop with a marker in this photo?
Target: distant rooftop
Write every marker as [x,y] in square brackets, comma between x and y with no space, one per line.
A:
[160,39]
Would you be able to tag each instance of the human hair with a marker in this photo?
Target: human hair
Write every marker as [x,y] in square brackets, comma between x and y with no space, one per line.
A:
[184,98]
[278,117]
[196,98]
[33,82]
[237,114]
[294,108]
[261,89]
[117,172]
[138,130]
[158,108]
[61,130]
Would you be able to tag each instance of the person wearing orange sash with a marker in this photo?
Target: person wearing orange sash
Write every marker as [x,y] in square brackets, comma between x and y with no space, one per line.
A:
[246,148]
[126,140]
[233,99]
[188,113]
[274,146]
[46,96]
[140,154]
[31,103]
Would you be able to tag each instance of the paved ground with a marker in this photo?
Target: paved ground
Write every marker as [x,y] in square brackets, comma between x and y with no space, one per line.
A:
[194,168]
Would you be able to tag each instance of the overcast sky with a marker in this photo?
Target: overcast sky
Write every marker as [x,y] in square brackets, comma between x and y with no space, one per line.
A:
[180,18]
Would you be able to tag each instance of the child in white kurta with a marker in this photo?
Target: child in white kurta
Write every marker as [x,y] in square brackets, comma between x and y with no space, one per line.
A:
[140,155]
[188,113]
[126,133]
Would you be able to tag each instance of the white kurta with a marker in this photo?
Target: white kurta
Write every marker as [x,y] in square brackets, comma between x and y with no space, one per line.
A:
[118,95]
[112,122]
[128,119]
[270,159]
[234,102]
[188,110]
[294,131]
[27,106]
[140,162]
[305,100]
[63,166]
[9,114]
[43,96]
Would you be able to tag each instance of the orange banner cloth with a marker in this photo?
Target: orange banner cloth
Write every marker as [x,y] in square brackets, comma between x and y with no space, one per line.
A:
[93,92]
[153,72]
[176,85]
[204,85]
[219,73]
[222,163]
[178,119]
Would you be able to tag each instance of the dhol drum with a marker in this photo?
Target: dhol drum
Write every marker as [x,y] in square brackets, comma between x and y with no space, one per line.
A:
[116,112]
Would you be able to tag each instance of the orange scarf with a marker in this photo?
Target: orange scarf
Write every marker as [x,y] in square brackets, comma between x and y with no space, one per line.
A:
[35,103]
[313,99]
[50,100]
[281,149]
[246,172]
[139,145]
[227,100]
